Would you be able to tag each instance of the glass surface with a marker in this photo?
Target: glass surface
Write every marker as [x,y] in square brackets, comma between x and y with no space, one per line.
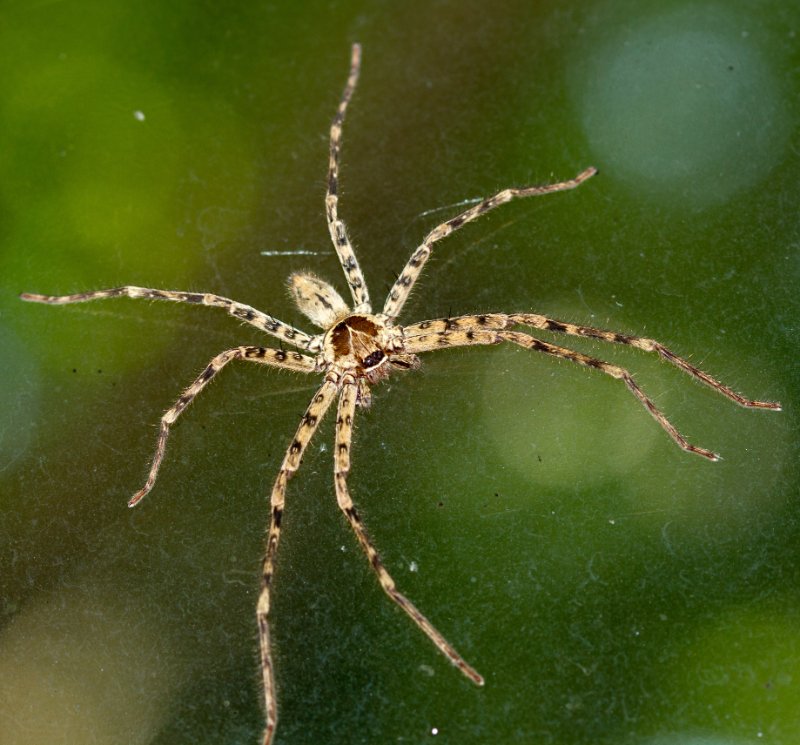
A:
[610,587]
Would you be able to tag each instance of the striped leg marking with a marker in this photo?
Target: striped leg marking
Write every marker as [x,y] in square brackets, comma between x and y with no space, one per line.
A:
[402,287]
[291,462]
[275,357]
[614,371]
[646,345]
[338,231]
[443,338]
[256,318]
[344,436]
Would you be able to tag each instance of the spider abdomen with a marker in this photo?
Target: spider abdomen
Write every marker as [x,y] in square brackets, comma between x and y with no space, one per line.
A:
[317,299]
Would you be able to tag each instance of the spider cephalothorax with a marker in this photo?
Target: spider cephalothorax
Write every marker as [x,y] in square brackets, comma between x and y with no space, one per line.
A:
[359,344]
[362,344]
[356,350]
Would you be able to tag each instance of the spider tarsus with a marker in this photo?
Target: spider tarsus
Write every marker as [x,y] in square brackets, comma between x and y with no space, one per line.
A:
[769,405]
[710,454]
[136,498]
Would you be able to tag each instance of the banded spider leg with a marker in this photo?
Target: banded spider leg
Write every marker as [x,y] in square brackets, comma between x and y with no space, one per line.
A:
[492,328]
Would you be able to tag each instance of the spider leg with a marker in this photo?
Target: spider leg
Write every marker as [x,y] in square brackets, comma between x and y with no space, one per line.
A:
[275,357]
[402,286]
[646,345]
[502,321]
[245,313]
[338,231]
[291,462]
[465,337]
[614,371]
[344,435]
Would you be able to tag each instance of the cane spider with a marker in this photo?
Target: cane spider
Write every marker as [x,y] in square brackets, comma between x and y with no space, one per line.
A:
[358,349]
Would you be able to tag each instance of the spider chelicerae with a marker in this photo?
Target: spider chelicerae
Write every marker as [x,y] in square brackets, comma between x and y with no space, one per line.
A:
[357,350]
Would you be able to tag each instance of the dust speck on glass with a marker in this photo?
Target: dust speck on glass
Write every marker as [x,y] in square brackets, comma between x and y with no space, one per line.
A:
[358,349]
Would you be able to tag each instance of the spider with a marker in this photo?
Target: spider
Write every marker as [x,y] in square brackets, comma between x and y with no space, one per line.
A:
[358,349]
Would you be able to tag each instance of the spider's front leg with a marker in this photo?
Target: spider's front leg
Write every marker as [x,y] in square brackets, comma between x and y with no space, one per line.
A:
[344,437]
[291,462]
[265,356]
[402,287]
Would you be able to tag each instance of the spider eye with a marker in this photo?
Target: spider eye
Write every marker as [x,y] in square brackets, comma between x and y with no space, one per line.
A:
[373,359]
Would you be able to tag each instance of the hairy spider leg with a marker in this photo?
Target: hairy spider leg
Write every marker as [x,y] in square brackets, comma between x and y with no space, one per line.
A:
[275,357]
[250,315]
[344,437]
[457,332]
[402,286]
[646,345]
[338,231]
[502,321]
[291,462]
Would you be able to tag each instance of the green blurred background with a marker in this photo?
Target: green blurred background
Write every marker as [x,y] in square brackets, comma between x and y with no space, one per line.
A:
[611,588]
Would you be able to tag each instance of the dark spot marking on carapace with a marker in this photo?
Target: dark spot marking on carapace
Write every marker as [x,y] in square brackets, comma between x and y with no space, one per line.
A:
[340,335]
[373,360]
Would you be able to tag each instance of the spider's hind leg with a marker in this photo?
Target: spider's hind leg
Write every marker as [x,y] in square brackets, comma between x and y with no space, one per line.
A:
[402,287]
[337,229]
